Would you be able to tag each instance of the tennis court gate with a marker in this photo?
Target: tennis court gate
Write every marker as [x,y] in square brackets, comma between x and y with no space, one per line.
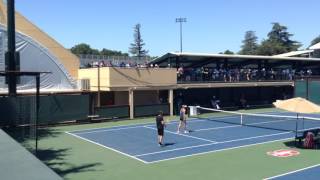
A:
[308,88]
[19,113]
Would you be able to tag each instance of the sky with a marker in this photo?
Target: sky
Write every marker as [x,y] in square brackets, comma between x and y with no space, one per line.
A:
[212,26]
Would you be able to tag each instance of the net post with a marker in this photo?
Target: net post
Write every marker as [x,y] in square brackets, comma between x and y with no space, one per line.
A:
[241,119]
[297,124]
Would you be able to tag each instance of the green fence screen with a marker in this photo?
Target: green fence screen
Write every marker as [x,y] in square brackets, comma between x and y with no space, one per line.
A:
[314,91]
[149,110]
[112,112]
[300,88]
[53,108]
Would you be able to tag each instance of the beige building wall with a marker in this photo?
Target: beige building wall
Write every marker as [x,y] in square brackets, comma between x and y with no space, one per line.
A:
[126,78]
[92,74]
[69,61]
[140,77]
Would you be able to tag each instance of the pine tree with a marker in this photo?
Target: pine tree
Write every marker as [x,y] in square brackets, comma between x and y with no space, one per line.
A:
[136,48]
[278,41]
[249,46]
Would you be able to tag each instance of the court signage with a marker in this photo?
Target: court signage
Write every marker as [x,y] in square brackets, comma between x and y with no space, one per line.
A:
[283,153]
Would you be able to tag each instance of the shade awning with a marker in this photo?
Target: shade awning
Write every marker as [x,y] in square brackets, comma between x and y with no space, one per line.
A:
[297,105]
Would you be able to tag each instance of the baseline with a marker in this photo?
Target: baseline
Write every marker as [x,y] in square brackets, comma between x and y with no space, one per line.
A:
[101,145]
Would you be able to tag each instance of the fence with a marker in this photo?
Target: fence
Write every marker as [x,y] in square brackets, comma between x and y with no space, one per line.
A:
[149,110]
[308,88]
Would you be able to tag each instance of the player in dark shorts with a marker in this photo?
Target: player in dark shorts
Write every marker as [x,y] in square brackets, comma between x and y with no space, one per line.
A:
[160,127]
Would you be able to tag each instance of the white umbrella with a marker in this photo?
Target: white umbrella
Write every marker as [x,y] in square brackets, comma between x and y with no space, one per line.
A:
[297,105]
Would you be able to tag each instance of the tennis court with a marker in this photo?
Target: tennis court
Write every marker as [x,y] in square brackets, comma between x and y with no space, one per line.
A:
[207,134]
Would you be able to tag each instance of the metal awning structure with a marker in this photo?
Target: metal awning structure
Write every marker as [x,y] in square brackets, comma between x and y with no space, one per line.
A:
[174,59]
[315,46]
[295,53]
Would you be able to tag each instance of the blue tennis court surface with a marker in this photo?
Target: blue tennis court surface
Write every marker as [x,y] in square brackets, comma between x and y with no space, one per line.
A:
[309,173]
[140,141]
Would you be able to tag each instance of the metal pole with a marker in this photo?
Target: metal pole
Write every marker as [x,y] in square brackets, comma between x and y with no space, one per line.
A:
[297,124]
[37,109]
[10,54]
[99,95]
[181,20]
[180,37]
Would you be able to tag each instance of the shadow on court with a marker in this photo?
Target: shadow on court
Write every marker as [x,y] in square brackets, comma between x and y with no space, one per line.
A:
[299,145]
[169,144]
[54,158]
[292,144]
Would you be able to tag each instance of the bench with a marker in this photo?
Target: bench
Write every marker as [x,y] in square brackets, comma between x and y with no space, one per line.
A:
[94,118]
[301,135]
[97,118]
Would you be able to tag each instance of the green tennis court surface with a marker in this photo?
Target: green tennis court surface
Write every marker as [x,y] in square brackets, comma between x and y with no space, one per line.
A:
[73,158]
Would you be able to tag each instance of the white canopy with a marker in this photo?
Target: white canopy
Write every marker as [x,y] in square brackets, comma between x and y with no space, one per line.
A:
[35,57]
[316,46]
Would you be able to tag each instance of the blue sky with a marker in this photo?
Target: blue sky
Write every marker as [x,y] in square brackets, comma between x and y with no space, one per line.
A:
[212,25]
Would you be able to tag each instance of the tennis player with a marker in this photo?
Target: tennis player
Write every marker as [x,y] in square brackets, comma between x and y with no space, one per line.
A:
[160,127]
[183,119]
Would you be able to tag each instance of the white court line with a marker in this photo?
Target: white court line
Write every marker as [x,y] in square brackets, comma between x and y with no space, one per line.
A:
[254,137]
[222,142]
[301,130]
[159,152]
[182,135]
[110,127]
[224,127]
[130,126]
[196,154]
[133,157]
[291,172]
[172,122]
[106,130]
[215,128]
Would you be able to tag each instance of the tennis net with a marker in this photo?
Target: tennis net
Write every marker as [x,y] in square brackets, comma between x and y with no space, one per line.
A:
[268,121]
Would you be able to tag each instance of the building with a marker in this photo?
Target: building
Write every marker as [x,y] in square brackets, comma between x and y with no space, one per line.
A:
[38,52]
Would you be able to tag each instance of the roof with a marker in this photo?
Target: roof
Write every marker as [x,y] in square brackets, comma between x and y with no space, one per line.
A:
[24,26]
[315,46]
[201,56]
[294,53]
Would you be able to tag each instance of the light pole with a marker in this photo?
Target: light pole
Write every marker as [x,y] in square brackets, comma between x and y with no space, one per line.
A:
[181,20]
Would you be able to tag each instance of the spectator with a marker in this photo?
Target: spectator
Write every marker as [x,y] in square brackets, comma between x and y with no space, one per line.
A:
[243,102]
[180,73]
[215,102]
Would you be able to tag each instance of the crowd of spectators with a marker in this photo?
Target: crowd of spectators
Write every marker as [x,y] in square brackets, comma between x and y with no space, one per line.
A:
[201,74]
[122,64]
[239,74]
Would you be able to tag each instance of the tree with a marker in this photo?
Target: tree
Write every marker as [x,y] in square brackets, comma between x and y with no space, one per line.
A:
[315,41]
[228,52]
[83,49]
[278,41]
[108,52]
[249,44]
[136,48]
